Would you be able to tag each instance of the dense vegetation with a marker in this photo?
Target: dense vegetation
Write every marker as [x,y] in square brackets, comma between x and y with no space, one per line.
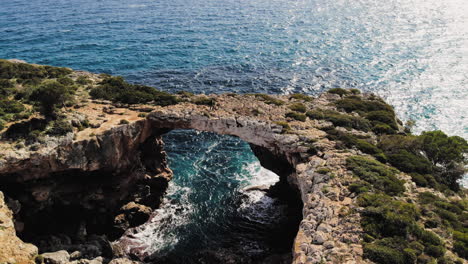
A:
[394,228]
[340,119]
[26,88]
[116,89]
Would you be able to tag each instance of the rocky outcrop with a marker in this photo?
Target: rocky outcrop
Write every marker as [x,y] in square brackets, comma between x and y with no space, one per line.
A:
[13,250]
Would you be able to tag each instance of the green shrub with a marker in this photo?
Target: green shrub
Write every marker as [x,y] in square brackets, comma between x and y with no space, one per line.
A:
[185,94]
[117,90]
[83,80]
[204,101]
[270,99]
[417,247]
[302,97]
[367,147]
[4,83]
[427,237]
[355,91]
[2,124]
[419,179]
[362,106]
[461,249]
[60,128]
[383,129]
[123,122]
[425,259]
[430,153]
[384,254]
[447,155]
[339,119]
[65,81]
[296,116]
[359,187]
[379,175]
[10,70]
[299,107]
[409,162]
[385,217]
[50,95]
[435,251]
[339,91]
[383,117]
[10,106]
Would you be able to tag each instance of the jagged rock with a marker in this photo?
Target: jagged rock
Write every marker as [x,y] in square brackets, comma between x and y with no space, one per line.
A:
[123,261]
[59,257]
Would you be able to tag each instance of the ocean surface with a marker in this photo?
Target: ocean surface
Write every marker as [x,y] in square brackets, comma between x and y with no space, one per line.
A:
[414,53]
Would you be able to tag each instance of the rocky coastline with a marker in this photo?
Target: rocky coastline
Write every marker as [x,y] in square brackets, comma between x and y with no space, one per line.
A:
[73,196]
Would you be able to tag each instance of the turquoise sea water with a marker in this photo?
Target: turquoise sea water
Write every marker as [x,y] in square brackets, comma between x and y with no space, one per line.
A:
[414,53]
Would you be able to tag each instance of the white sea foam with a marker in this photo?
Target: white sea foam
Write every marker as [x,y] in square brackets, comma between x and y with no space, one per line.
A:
[153,235]
[256,206]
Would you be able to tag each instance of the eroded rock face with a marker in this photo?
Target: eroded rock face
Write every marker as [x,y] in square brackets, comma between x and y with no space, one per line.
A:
[13,250]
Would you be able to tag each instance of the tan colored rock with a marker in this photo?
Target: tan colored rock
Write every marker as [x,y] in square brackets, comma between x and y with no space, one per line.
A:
[59,257]
[12,249]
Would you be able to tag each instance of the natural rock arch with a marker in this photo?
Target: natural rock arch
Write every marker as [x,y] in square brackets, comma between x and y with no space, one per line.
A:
[131,157]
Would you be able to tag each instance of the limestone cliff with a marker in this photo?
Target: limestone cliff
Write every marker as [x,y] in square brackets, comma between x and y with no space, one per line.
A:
[114,172]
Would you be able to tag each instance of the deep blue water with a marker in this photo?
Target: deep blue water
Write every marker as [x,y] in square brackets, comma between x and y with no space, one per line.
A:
[414,53]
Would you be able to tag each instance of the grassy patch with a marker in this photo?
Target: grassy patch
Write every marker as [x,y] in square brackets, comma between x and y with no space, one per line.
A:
[269,99]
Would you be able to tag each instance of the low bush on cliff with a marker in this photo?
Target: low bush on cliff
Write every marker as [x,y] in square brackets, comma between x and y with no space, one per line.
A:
[350,141]
[392,250]
[380,176]
[339,119]
[298,107]
[357,104]
[203,100]
[393,234]
[269,99]
[450,214]
[50,96]
[116,89]
[296,116]
[380,114]
[11,110]
[393,227]
[24,71]
[339,91]
[60,128]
